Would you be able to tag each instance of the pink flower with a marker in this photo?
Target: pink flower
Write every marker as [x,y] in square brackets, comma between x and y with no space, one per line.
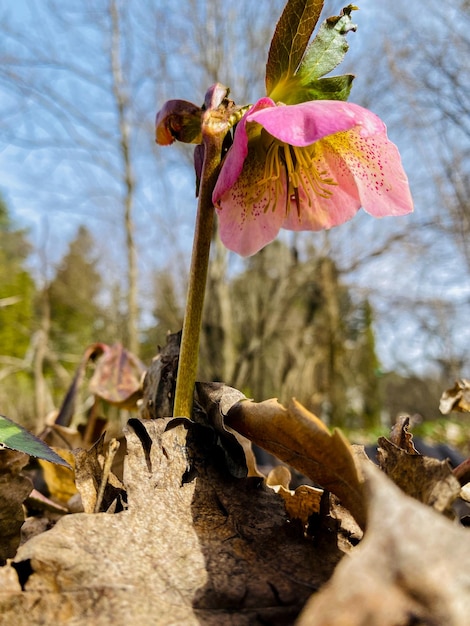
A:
[307,166]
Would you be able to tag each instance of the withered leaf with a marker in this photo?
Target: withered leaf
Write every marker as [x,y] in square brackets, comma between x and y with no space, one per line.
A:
[412,567]
[67,409]
[212,400]
[428,480]
[158,387]
[91,476]
[14,489]
[118,376]
[401,436]
[457,398]
[462,472]
[300,439]
[201,551]
[60,480]
[300,503]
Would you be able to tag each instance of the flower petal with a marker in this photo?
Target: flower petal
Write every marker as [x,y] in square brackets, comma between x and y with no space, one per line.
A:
[318,212]
[375,163]
[303,124]
[233,162]
[248,218]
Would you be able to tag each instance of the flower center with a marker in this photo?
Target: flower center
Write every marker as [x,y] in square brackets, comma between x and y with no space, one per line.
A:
[304,179]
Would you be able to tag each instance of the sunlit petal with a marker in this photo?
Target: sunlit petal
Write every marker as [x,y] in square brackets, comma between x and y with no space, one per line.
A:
[303,124]
[233,163]
[376,166]
[249,219]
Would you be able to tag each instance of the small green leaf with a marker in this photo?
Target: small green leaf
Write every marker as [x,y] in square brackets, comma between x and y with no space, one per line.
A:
[330,88]
[290,40]
[328,48]
[15,437]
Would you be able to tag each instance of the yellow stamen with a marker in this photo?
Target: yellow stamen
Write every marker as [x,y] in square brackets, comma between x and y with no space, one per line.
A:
[301,173]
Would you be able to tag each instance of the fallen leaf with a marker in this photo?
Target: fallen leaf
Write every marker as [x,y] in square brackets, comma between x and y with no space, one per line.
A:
[160,380]
[462,472]
[193,547]
[215,400]
[300,439]
[60,481]
[412,567]
[97,485]
[457,398]
[14,489]
[302,502]
[401,436]
[428,480]
[117,378]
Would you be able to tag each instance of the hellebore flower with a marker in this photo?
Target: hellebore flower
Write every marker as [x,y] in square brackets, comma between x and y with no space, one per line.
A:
[307,166]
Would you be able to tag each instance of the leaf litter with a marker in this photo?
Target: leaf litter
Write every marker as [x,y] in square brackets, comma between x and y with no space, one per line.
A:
[191,532]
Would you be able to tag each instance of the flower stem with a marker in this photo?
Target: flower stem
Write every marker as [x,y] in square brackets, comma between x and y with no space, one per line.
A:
[189,351]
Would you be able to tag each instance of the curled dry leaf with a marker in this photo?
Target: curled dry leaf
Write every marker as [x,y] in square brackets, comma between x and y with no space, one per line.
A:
[14,489]
[457,398]
[118,376]
[462,472]
[428,480]
[300,503]
[60,480]
[401,436]
[412,567]
[212,401]
[300,439]
[160,380]
[97,485]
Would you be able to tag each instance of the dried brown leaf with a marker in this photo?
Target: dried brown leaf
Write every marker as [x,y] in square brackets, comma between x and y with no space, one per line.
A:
[412,567]
[91,477]
[60,480]
[457,398]
[462,472]
[214,400]
[401,436]
[300,439]
[160,380]
[118,377]
[14,489]
[301,502]
[428,480]
[192,548]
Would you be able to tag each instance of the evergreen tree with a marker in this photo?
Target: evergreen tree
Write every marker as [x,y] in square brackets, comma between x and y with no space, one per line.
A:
[16,289]
[77,319]
[167,315]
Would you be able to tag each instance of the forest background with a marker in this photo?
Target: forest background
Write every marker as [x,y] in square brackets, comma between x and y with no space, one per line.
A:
[358,324]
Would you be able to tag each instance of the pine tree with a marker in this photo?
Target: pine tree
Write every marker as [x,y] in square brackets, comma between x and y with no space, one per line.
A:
[77,319]
[16,289]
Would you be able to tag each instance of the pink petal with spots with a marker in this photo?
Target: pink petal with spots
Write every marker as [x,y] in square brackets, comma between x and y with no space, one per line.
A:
[248,218]
[376,166]
[318,212]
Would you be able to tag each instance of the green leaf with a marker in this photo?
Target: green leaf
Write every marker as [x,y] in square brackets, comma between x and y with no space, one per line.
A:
[328,48]
[15,437]
[290,40]
[330,88]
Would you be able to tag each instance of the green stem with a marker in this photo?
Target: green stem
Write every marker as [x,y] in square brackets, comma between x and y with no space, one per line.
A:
[189,351]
